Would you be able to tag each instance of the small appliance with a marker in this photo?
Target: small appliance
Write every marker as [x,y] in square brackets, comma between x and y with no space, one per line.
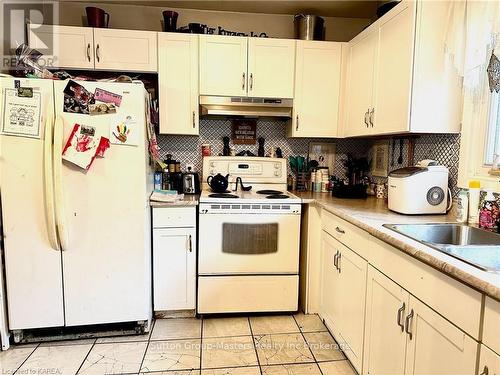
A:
[191,182]
[422,189]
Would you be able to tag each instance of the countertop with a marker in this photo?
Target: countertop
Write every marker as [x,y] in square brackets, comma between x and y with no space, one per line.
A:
[371,213]
[189,200]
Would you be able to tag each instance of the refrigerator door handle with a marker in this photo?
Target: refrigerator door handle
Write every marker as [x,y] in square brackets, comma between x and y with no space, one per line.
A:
[62,232]
[49,185]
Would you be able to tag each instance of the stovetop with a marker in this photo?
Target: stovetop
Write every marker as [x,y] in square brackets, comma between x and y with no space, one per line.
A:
[280,196]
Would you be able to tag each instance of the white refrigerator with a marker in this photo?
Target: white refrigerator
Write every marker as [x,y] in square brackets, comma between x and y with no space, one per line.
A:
[77,244]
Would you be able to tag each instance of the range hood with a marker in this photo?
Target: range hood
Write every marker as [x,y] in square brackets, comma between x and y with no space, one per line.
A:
[243,106]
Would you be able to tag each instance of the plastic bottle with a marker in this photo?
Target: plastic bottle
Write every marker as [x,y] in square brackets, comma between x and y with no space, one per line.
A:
[488,216]
[463,207]
[474,195]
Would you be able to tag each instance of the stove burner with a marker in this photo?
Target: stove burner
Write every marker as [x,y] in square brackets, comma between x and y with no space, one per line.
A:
[277,196]
[270,192]
[222,195]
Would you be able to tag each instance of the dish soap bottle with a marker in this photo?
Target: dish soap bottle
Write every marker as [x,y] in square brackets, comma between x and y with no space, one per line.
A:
[489,213]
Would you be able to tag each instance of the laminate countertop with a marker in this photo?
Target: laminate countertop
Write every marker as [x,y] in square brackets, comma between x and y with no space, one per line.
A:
[189,200]
[370,214]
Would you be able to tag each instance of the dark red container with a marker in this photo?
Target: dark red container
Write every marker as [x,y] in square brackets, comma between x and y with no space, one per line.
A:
[96,17]
[170,20]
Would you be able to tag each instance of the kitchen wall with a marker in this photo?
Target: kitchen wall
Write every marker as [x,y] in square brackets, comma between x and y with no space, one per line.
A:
[187,149]
[149,18]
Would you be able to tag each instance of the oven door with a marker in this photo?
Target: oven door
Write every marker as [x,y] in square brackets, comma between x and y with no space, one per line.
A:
[248,244]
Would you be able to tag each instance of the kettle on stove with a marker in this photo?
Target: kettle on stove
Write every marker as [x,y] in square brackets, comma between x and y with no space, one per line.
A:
[218,183]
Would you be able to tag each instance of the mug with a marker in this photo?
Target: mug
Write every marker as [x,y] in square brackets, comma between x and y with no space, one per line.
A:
[170,20]
[96,17]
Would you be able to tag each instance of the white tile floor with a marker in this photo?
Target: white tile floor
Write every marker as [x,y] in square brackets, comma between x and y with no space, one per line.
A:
[268,345]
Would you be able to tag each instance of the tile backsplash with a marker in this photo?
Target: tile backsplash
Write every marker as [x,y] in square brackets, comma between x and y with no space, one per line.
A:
[187,149]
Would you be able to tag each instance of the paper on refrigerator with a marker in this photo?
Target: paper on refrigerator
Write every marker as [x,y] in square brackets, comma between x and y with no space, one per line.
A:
[21,115]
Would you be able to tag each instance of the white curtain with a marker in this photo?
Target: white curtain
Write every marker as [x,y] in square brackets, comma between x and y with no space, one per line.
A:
[473,34]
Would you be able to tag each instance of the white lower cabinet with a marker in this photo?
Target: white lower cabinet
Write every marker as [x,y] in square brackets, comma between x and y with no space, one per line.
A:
[174,259]
[385,337]
[343,296]
[489,362]
[404,336]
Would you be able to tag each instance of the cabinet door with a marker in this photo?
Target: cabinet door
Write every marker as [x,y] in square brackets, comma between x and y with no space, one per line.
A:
[330,283]
[385,339]
[436,346]
[489,362]
[178,83]
[394,71]
[271,67]
[174,268]
[360,81]
[317,89]
[125,50]
[352,272]
[223,65]
[73,47]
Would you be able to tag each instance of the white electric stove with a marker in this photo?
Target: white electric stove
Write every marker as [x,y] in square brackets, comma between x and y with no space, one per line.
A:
[248,240]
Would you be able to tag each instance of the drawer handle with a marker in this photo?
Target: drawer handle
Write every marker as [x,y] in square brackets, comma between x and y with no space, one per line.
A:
[408,321]
[339,230]
[338,262]
[194,121]
[243,81]
[297,124]
[401,311]
[190,244]
[372,112]
[366,116]
[251,81]
[485,371]
[335,259]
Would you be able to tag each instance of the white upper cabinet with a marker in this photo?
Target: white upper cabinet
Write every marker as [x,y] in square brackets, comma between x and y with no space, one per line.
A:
[223,65]
[317,89]
[178,83]
[73,47]
[360,84]
[240,66]
[126,50]
[400,74]
[271,67]
[391,106]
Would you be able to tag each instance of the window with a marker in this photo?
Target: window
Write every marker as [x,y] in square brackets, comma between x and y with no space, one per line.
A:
[492,141]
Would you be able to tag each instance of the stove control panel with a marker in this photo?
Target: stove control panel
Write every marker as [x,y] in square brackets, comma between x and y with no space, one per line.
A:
[250,169]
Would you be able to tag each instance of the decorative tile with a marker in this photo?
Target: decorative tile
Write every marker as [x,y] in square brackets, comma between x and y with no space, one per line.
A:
[305,369]
[282,349]
[172,355]
[228,352]
[309,323]
[223,327]
[11,360]
[233,371]
[323,346]
[114,358]
[168,329]
[63,359]
[337,368]
[187,149]
[262,325]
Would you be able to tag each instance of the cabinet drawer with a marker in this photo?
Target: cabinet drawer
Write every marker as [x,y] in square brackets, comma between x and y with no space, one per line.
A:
[170,217]
[491,327]
[346,233]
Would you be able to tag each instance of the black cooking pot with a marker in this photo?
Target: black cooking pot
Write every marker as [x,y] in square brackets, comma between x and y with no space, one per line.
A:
[218,183]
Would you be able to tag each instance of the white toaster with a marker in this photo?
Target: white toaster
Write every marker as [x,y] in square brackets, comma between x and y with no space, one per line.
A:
[422,189]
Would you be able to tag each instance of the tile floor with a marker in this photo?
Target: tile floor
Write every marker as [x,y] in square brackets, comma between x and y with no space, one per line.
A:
[264,345]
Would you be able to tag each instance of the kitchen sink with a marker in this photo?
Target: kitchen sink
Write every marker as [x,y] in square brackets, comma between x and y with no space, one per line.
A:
[472,245]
